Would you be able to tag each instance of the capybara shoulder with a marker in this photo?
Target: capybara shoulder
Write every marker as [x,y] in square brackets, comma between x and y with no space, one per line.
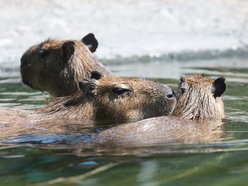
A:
[57,65]
[161,130]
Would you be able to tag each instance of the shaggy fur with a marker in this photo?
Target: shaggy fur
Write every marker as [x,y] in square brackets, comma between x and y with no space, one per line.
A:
[198,101]
[57,66]
[199,113]
[109,100]
[115,99]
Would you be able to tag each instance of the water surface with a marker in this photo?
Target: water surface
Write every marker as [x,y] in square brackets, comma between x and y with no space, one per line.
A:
[67,160]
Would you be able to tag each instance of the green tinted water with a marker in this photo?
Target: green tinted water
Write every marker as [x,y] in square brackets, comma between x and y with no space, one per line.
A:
[65,160]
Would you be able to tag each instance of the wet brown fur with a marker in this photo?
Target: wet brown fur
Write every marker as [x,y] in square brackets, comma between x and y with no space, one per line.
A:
[160,131]
[145,99]
[198,102]
[98,103]
[198,120]
[52,73]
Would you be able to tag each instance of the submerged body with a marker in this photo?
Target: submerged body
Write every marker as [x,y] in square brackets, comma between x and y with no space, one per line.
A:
[57,66]
[161,130]
[120,100]
[16,122]
[197,118]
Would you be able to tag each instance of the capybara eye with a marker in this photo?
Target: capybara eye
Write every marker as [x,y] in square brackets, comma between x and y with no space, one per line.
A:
[172,95]
[120,90]
[169,96]
[43,52]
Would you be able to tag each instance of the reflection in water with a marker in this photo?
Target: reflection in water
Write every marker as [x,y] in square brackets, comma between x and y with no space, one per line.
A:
[148,171]
[61,168]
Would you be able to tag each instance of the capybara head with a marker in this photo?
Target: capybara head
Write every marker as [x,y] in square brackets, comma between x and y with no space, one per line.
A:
[115,100]
[200,98]
[57,65]
[128,99]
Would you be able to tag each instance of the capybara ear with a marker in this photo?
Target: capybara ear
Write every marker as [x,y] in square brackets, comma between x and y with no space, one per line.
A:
[122,89]
[183,85]
[219,86]
[68,49]
[90,41]
[96,75]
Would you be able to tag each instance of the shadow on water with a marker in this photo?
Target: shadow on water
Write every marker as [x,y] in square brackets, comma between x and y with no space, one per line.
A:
[67,159]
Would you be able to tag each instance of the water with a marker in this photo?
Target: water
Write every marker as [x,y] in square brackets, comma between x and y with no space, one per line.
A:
[160,40]
[66,160]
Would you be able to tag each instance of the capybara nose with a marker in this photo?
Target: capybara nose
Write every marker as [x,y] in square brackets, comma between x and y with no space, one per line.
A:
[23,58]
[25,63]
[25,69]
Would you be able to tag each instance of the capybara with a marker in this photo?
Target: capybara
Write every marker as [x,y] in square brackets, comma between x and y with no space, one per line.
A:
[197,118]
[115,99]
[200,98]
[57,66]
[107,99]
